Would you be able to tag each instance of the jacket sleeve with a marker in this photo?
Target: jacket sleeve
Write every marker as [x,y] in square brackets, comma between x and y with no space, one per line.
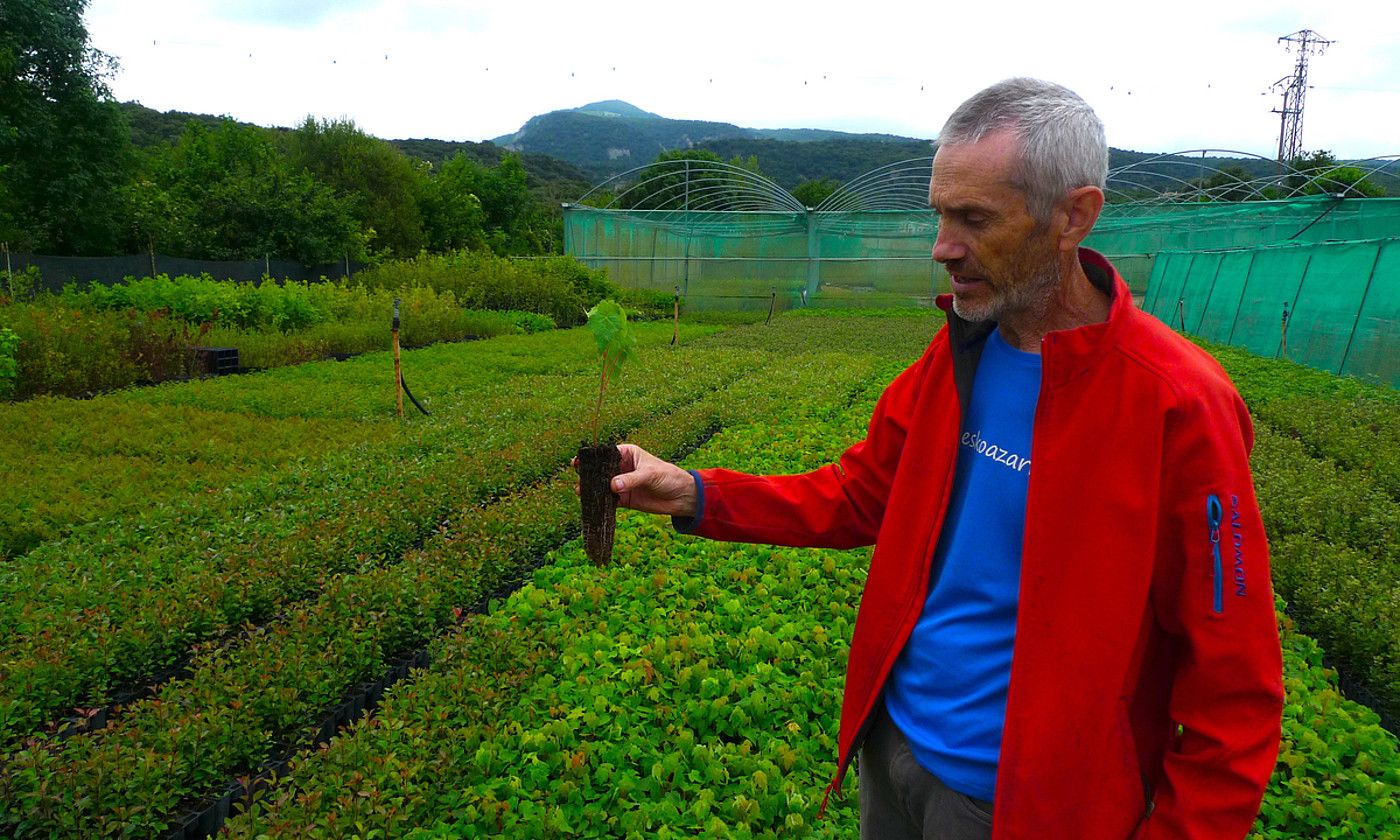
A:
[839,505]
[1212,593]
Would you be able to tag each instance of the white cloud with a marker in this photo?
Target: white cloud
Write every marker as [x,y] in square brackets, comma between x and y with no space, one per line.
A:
[301,14]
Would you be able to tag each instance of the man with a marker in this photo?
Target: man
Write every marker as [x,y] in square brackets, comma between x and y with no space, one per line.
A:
[1067,630]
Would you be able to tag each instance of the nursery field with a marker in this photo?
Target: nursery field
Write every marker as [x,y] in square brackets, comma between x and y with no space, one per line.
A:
[266,603]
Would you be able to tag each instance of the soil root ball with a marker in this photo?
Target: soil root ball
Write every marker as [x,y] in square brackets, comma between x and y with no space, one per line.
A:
[597,466]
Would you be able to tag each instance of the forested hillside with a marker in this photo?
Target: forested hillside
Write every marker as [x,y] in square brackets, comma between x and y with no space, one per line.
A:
[606,138]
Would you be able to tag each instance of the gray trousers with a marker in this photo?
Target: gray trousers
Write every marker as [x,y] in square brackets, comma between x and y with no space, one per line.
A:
[900,800]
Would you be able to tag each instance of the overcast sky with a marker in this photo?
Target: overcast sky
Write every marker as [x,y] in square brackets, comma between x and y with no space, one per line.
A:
[1186,75]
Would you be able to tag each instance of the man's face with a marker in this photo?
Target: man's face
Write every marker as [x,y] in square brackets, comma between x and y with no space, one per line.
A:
[1003,264]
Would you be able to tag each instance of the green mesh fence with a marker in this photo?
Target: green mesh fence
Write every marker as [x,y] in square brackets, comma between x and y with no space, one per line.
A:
[884,257]
[1222,270]
[737,260]
[1132,235]
[1150,229]
[1342,301]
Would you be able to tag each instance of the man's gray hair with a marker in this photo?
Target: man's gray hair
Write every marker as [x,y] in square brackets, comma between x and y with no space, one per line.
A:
[1061,140]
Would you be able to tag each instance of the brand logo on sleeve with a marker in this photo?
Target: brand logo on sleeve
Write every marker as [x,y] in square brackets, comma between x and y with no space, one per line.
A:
[1215,520]
[1237,537]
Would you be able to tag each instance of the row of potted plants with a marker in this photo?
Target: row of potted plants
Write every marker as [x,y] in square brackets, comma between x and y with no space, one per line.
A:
[691,690]
[1340,418]
[129,451]
[1327,466]
[1335,540]
[276,680]
[688,689]
[130,603]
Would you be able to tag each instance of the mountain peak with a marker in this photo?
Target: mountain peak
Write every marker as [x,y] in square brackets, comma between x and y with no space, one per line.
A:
[616,108]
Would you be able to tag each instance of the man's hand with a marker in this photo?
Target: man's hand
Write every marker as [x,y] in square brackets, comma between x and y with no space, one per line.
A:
[651,485]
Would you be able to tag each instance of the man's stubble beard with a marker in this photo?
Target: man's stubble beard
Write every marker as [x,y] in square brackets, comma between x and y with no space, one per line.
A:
[1027,294]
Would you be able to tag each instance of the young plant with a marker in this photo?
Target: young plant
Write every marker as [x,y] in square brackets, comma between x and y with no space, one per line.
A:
[599,463]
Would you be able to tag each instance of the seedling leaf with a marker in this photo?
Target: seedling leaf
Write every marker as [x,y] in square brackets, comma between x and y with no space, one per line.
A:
[616,343]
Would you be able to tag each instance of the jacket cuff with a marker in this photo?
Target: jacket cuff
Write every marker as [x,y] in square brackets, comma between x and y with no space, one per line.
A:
[689,524]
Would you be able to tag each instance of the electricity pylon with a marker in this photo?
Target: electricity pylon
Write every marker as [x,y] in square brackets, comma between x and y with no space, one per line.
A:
[1295,88]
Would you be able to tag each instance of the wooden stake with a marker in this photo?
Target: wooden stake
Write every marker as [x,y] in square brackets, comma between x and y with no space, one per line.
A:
[398,370]
[676,315]
[772,301]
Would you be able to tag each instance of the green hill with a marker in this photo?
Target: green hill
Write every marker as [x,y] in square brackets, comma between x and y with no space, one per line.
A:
[606,138]
[565,152]
[150,127]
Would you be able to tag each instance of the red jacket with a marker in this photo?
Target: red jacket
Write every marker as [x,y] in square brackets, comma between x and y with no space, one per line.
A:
[1145,601]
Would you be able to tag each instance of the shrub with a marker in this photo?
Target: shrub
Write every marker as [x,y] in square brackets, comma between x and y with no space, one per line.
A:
[558,287]
[101,338]
[20,285]
[72,352]
[9,367]
[201,300]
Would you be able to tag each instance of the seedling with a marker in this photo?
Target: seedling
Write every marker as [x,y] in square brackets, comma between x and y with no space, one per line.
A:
[599,463]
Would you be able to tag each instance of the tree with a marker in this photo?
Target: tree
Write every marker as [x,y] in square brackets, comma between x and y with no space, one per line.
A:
[158,219]
[812,193]
[231,194]
[9,225]
[470,205]
[381,184]
[1232,183]
[1350,181]
[1320,172]
[63,143]
[453,216]
[515,218]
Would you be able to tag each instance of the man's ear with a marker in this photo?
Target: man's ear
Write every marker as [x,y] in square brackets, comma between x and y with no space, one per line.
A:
[1081,208]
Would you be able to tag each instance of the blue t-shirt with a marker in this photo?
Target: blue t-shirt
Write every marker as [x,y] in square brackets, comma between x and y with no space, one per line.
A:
[947,692]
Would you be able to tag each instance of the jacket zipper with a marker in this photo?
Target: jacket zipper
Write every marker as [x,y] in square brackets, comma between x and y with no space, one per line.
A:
[1215,514]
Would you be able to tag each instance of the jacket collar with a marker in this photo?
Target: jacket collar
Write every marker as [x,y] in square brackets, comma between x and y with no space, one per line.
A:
[1065,354]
